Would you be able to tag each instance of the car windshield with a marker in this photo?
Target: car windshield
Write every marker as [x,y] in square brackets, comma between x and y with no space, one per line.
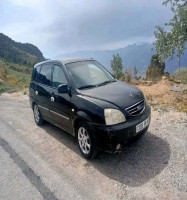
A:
[88,74]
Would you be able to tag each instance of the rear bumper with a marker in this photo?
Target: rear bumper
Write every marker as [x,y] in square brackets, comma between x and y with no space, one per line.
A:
[108,137]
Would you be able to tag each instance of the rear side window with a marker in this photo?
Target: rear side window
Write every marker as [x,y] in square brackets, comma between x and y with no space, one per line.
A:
[45,75]
[58,76]
[35,73]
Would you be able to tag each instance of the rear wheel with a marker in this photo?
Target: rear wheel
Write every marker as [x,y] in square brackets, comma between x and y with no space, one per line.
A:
[37,115]
[86,141]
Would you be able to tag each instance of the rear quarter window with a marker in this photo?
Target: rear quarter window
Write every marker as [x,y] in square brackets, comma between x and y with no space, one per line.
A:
[45,74]
[35,73]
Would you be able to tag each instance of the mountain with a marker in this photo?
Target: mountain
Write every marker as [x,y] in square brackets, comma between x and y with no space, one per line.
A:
[21,53]
[138,55]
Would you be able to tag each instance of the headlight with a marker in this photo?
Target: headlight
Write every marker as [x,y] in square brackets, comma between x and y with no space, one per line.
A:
[113,116]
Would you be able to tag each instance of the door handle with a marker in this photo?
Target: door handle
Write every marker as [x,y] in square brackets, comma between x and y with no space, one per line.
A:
[36,92]
[52,99]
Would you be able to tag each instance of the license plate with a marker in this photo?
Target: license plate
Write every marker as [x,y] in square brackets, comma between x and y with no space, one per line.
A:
[142,125]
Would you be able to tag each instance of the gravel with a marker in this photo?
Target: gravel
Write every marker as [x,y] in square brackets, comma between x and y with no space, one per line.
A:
[153,168]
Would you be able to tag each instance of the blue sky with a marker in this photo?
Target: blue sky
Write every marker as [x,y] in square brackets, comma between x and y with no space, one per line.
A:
[62,26]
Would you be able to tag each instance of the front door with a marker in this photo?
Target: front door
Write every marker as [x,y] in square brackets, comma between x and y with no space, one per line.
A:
[60,109]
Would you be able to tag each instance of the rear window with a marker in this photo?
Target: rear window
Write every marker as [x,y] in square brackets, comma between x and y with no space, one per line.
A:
[35,73]
[45,74]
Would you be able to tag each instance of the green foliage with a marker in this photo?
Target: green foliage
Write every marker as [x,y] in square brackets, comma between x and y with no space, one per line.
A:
[16,52]
[14,76]
[20,69]
[135,70]
[166,74]
[4,72]
[156,69]
[127,75]
[4,87]
[169,42]
[117,66]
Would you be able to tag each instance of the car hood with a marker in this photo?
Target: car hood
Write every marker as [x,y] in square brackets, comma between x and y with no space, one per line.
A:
[117,93]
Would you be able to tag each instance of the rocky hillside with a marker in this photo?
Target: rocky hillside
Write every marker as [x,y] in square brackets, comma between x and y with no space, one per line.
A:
[16,52]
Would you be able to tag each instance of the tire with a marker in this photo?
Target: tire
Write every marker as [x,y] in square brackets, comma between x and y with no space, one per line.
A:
[86,141]
[37,115]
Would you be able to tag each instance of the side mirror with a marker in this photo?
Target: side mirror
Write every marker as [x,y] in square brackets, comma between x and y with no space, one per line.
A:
[63,89]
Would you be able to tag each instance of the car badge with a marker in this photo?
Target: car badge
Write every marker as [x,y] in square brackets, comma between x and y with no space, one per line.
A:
[131,94]
[139,107]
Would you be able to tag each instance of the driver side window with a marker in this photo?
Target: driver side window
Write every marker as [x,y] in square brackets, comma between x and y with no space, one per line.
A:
[58,76]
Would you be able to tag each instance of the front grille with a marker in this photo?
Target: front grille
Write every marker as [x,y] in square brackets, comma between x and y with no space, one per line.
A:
[136,109]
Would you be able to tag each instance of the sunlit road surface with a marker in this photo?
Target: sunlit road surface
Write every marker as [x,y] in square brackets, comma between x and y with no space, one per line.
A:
[45,163]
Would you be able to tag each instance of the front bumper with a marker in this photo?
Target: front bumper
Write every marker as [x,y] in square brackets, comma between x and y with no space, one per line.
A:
[108,137]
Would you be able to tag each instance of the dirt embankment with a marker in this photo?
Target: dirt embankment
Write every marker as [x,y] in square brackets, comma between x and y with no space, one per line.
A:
[160,94]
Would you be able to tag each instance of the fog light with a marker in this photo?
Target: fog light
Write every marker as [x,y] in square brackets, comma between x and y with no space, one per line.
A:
[118,146]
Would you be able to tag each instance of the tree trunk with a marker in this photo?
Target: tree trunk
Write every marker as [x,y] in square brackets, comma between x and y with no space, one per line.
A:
[179,62]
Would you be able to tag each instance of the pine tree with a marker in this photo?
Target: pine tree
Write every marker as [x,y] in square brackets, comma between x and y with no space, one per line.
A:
[156,69]
[117,66]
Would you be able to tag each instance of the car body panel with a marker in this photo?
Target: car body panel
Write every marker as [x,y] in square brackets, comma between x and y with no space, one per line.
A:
[60,109]
[117,93]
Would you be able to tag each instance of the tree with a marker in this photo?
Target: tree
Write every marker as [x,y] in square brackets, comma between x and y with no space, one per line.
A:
[127,75]
[156,69]
[117,66]
[135,73]
[170,42]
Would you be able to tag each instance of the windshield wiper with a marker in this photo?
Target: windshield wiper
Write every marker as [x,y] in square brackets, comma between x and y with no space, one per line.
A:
[87,86]
[91,86]
[105,82]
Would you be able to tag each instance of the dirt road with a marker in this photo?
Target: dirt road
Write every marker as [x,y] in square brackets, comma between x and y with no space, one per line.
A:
[44,162]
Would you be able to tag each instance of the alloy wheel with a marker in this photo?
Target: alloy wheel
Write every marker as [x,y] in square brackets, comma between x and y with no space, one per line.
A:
[84,140]
[36,114]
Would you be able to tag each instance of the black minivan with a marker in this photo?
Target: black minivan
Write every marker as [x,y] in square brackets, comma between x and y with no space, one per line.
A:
[84,99]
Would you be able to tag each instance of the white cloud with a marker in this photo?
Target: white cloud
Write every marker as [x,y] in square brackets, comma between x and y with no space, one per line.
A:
[31,4]
[69,25]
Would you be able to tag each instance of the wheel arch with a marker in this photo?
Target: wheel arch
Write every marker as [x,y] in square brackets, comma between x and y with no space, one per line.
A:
[33,103]
[81,117]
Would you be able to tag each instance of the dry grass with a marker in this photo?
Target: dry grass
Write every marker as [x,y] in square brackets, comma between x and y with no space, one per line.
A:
[160,94]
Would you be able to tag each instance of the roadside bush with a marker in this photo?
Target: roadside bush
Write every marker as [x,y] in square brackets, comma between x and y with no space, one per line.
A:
[127,76]
[12,80]
[3,72]
[156,69]
[181,75]
[4,87]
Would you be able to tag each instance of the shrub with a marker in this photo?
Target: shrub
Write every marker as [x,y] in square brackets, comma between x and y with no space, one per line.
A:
[127,76]
[181,75]
[156,69]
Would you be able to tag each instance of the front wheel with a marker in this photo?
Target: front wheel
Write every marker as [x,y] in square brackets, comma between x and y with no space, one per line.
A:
[86,141]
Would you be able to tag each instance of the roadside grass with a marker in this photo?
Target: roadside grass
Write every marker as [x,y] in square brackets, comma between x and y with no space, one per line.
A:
[14,77]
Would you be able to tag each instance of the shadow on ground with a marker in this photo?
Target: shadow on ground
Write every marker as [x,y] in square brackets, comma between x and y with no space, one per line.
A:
[134,166]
